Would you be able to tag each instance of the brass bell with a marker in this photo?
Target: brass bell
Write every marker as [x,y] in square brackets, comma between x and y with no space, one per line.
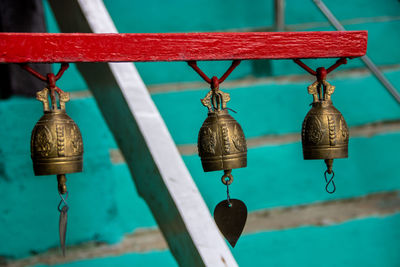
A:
[221,141]
[325,134]
[56,142]
[222,146]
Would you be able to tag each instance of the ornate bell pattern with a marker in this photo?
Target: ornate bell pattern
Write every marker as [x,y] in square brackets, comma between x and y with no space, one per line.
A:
[56,142]
[221,142]
[324,134]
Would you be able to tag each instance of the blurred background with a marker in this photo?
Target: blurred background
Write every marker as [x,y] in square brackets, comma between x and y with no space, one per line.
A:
[292,220]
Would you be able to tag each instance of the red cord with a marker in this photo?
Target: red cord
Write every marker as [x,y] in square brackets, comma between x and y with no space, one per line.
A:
[321,72]
[50,78]
[214,81]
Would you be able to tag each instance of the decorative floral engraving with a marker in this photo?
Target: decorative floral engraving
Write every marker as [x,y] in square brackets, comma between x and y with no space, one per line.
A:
[208,140]
[225,137]
[76,140]
[344,129]
[42,140]
[238,139]
[332,130]
[313,131]
[60,139]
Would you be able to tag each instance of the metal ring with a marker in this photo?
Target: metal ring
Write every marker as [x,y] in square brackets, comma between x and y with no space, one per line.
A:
[227,181]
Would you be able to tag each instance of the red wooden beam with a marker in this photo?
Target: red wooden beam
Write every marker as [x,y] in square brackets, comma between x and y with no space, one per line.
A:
[90,47]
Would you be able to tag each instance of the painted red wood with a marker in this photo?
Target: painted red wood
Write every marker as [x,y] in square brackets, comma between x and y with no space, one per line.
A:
[90,47]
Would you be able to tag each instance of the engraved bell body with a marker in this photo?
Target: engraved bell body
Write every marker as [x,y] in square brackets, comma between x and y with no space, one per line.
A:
[221,142]
[324,134]
[56,141]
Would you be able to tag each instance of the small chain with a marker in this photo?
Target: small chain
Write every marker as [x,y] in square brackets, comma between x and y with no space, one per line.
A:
[228,197]
[227,179]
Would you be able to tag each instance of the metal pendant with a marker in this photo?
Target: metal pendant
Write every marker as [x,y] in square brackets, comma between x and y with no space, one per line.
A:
[230,217]
[63,227]
[56,148]
[325,134]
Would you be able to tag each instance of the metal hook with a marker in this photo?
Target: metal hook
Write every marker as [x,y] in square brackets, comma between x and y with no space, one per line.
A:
[330,181]
[63,200]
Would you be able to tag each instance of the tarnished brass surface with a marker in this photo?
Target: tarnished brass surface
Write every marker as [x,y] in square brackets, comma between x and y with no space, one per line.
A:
[56,142]
[230,216]
[221,142]
[325,134]
[62,183]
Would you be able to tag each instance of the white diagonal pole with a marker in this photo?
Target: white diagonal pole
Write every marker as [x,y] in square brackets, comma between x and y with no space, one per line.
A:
[157,168]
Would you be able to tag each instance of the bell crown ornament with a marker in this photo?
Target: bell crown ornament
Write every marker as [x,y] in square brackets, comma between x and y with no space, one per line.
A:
[221,141]
[56,141]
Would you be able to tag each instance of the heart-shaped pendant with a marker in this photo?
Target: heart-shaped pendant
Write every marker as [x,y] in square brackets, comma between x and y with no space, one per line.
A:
[230,218]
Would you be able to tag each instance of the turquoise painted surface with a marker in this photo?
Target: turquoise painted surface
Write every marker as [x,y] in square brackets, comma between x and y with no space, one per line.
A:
[104,203]
[279,108]
[154,258]
[364,242]
[380,50]
[359,243]
[305,11]
[188,16]
[278,176]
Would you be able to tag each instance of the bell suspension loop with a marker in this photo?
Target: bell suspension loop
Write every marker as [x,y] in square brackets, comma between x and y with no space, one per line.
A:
[325,134]
[56,141]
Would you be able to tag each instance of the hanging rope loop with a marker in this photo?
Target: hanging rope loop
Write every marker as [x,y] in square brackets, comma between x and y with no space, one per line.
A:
[214,81]
[50,78]
[321,72]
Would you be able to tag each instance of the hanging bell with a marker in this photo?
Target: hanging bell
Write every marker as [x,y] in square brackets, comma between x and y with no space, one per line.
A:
[325,134]
[222,146]
[221,142]
[57,148]
[56,142]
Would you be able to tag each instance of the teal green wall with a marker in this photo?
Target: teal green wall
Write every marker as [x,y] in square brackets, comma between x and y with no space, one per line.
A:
[104,205]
